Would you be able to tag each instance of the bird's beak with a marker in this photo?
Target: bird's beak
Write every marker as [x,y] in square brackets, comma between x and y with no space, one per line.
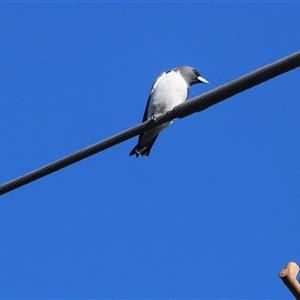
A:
[201,79]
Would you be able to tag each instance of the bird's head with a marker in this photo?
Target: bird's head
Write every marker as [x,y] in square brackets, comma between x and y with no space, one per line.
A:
[190,75]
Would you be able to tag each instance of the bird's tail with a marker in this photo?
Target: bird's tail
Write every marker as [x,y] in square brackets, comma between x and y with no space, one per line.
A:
[144,150]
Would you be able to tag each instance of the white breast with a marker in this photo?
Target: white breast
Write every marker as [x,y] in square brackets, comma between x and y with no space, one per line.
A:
[169,90]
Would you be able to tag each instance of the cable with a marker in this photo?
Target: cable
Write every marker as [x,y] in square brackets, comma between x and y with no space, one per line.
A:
[236,86]
[182,110]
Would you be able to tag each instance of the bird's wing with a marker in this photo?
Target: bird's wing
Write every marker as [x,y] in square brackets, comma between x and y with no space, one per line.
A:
[187,93]
[145,117]
[151,92]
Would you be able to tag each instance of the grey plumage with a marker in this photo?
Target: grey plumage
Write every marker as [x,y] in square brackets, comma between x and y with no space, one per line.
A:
[169,89]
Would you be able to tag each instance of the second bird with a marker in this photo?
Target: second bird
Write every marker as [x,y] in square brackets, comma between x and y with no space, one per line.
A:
[170,89]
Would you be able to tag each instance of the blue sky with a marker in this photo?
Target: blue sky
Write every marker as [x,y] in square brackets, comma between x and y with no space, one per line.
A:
[212,213]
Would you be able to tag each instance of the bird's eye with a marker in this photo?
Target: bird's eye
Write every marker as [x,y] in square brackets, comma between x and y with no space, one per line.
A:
[196,72]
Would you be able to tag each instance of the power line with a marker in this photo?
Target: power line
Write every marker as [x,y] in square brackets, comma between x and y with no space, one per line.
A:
[182,110]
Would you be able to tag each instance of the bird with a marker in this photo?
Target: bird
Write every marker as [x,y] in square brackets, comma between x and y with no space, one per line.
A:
[170,89]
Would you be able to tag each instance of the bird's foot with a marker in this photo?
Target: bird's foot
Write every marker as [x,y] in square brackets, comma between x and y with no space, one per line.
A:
[154,118]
